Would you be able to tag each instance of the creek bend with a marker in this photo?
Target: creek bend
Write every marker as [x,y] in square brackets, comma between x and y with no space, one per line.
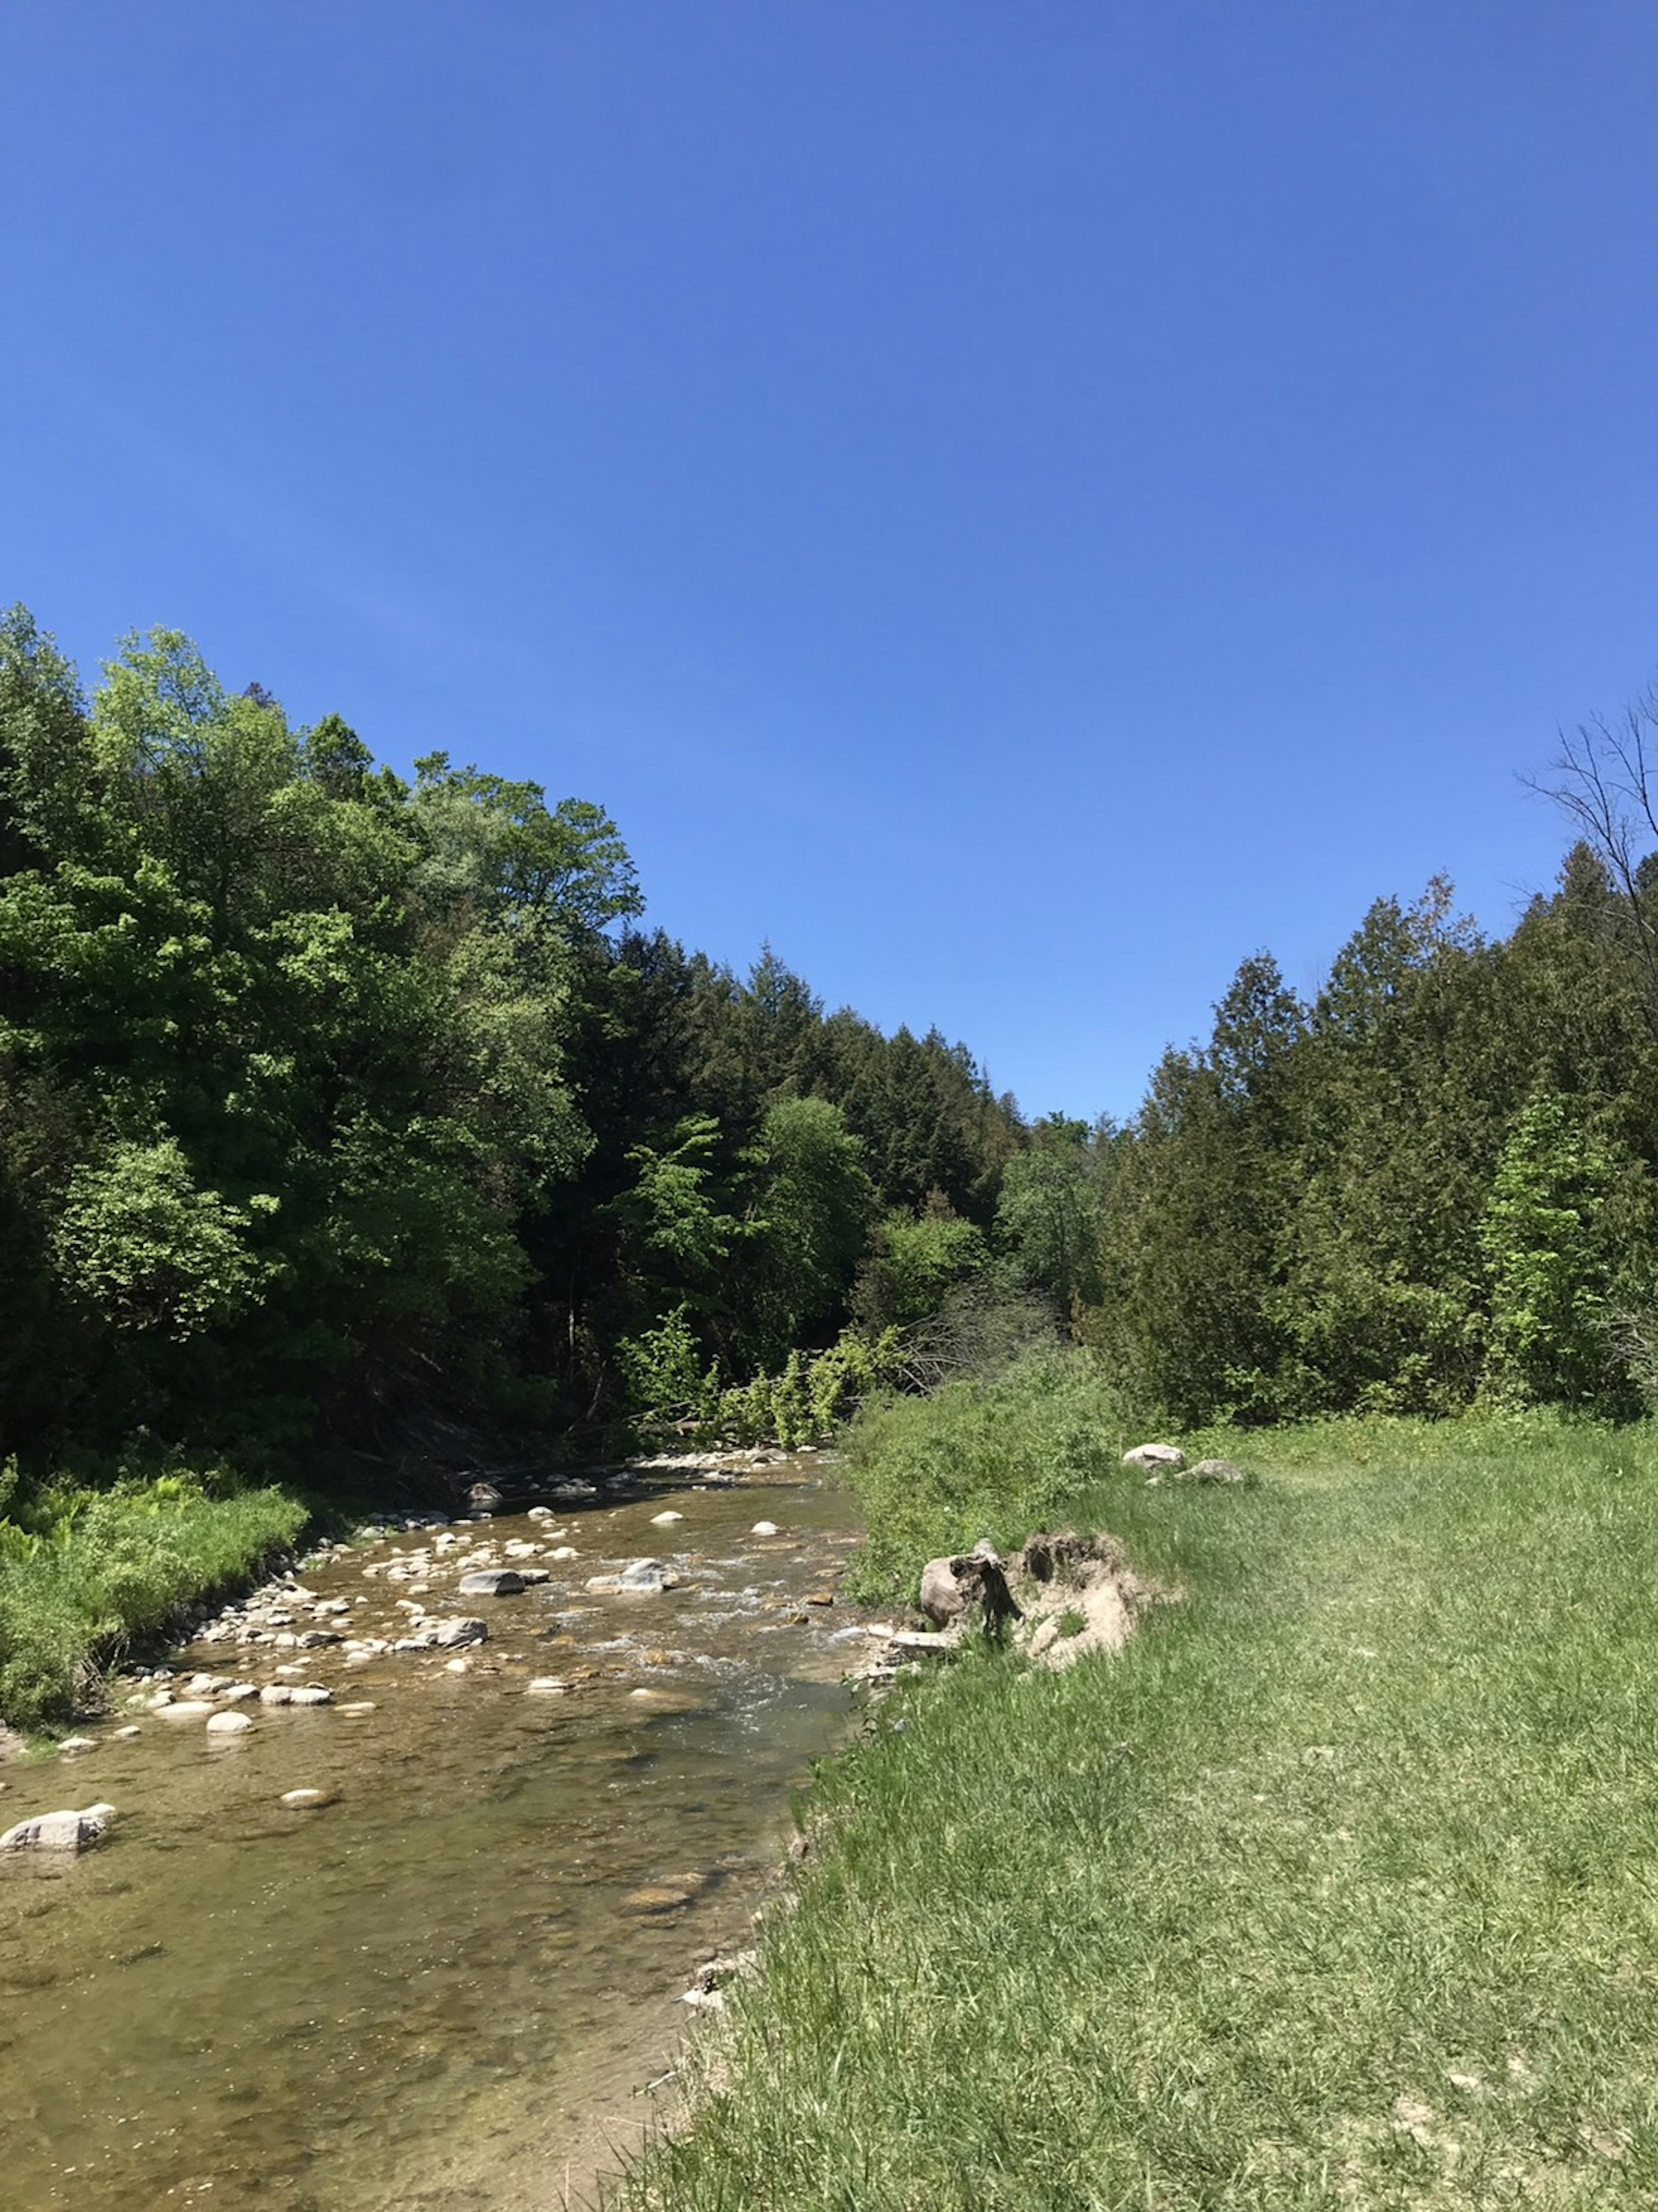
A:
[444,1987]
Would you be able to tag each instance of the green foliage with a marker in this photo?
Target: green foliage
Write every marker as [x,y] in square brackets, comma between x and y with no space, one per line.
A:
[666,1380]
[143,1244]
[1543,1237]
[809,1218]
[812,1393]
[101,1567]
[994,1459]
[915,1262]
[673,1224]
[1051,1209]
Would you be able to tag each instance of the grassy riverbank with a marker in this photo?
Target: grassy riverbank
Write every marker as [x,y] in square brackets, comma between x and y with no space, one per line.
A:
[1338,1887]
[83,1572]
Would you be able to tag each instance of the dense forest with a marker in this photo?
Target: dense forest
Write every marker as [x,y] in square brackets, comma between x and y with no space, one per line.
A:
[332,1102]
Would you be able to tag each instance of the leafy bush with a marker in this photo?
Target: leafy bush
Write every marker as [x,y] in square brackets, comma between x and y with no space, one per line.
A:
[663,1375]
[977,1459]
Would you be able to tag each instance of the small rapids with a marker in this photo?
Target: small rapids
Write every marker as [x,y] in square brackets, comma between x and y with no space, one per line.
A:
[446,1985]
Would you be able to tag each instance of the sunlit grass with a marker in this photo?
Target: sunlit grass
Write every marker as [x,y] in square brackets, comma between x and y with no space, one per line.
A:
[1338,1887]
[112,1566]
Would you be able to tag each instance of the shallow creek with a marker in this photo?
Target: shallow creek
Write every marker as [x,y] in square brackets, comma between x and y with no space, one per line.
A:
[433,1989]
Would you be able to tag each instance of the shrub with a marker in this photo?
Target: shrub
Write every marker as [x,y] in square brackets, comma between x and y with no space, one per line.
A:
[977,1459]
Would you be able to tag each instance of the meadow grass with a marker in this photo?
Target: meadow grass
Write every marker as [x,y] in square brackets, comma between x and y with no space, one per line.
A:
[102,1568]
[1337,1888]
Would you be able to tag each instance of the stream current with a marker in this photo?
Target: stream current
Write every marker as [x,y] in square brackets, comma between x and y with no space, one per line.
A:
[446,1986]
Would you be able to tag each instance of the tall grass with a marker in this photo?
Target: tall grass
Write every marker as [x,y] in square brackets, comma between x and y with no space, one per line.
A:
[1337,1888]
[93,1570]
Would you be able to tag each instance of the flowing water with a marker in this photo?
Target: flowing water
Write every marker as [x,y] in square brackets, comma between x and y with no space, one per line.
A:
[445,1986]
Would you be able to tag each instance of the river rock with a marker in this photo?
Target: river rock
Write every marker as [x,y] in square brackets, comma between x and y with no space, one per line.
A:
[659,1897]
[125,1734]
[305,1801]
[236,1693]
[640,1578]
[968,1581]
[765,1529]
[58,1831]
[546,1685]
[277,1693]
[78,1743]
[464,1629]
[492,1582]
[229,1724]
[1155,1459]
[666,1520]
[185,1709]
[565,1551]
[484,1497]
[311,1694]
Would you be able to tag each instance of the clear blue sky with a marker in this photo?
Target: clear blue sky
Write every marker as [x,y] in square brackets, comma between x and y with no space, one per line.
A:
[1018,505]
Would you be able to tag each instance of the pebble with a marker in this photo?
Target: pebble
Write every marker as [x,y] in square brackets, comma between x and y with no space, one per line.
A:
[303,1800]
[457,1665]
[665,1520]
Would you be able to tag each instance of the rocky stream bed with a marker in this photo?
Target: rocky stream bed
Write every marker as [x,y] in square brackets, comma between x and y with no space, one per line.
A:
[400,1873]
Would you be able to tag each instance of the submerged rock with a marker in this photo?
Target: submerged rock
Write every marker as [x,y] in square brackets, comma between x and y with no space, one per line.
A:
[58,1831]
[640,1578]
[229,1724]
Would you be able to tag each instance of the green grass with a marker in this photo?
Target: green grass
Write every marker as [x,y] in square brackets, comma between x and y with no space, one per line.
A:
[97,1568]
[1338,1887]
